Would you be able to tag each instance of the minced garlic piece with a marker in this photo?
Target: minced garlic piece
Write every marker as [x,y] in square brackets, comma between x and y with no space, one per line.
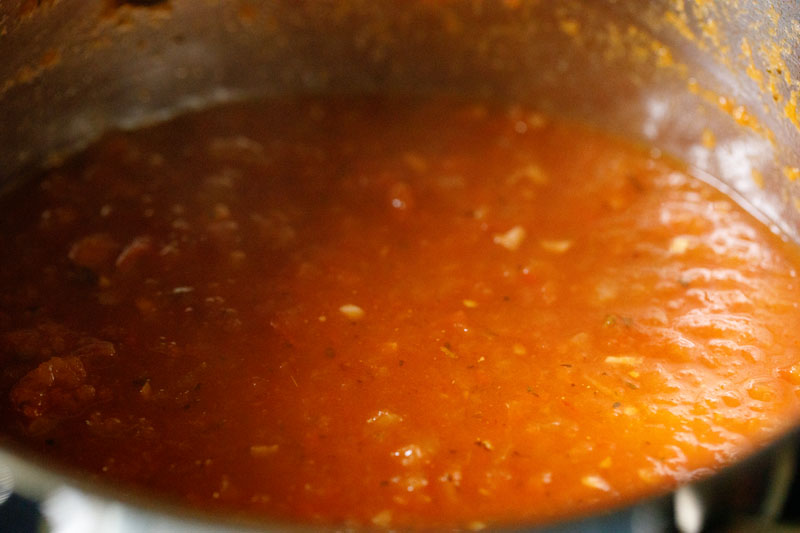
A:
[530,173]
[448,352]
[648,475]
[384,419]
[679,245]
[263,450]
[485,444]
[383,519]
[623,360]
[146,391]
[472,304]
[182,290]
[556,246]
[512,239]
[596,482]
[606,291]
[351,311]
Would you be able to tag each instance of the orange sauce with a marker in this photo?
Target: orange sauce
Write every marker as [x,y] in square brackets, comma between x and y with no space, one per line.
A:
[390,313]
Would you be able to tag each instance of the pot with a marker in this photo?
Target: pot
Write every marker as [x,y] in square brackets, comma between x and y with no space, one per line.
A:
[715,84]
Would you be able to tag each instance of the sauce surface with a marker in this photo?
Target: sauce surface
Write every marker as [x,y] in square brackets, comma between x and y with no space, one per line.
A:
[390,313]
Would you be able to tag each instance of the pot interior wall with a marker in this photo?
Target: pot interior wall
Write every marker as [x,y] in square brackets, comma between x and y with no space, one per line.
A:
[710,83]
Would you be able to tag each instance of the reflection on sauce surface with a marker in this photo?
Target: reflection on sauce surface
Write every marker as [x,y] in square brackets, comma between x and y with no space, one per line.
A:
[390,313]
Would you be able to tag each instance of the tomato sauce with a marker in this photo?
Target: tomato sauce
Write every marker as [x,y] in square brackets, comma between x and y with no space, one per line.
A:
[392,313]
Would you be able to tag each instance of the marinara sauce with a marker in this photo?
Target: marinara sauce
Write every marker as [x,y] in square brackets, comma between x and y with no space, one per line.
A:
[392,313]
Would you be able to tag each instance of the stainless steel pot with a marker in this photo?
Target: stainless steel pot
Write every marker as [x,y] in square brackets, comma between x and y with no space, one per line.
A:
[716,84]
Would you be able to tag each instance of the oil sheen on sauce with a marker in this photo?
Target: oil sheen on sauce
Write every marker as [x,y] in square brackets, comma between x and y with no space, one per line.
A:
[391,313]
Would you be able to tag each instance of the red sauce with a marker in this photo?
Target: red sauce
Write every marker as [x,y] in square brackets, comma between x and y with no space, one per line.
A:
[389,312]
